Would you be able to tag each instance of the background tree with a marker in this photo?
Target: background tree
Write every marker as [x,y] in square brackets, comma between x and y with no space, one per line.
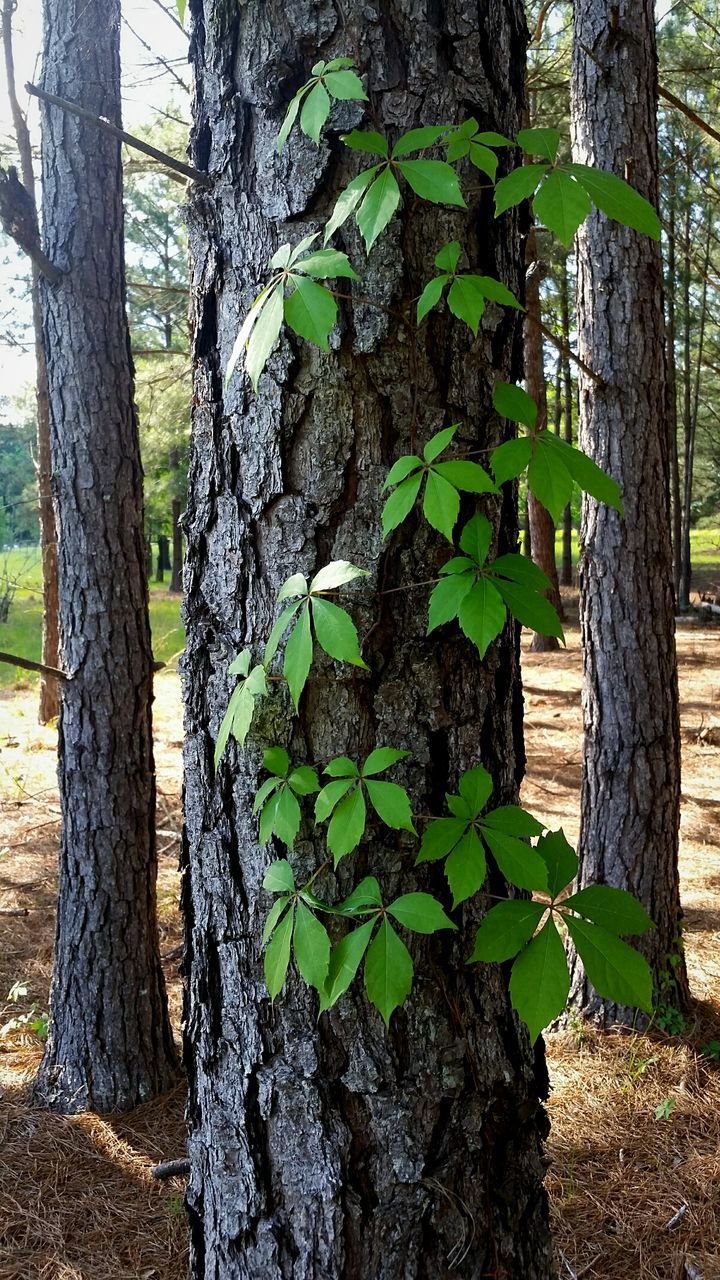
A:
[109,1045]
[339,1148]
[631,773]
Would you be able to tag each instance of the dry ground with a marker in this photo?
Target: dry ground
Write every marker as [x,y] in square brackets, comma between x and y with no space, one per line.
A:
[634,1197]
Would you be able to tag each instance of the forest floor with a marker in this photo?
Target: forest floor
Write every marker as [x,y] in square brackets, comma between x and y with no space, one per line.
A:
[634,1175]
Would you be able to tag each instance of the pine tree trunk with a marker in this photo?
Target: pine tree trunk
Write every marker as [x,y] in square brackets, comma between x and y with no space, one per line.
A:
[566,570]
[631,780]
[110,1045]
[177,548]
[542,526]
[671,364]
[334,1149]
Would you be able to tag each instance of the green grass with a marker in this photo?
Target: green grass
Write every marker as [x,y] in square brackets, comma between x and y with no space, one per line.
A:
[22,633]
[704,543]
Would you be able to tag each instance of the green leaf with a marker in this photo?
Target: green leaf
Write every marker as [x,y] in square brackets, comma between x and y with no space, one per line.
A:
[311,311]
[513,821]
[336,632]
[296,585]
[278,631]
[267,788]
[440,837]
[586,473]
[614,909]
[616,971]
[304,780]
[378,207]
[401,469]
[240,665]
[290,117]
[311,945]
[279,877]
[492,139]
[433,180]
[366,140]
[483,159]
[348,200]
[381,759]
[345,961]
[336,574]
[447,597]
[331,793]
[505,930]
[335,64]
[560,858]
[267,818]
[510,459]
[494,291]
[457,148]
[392,804]
[467,476]
[298,655]
[466,300]
[347,824]
[466,868]
[181,6]
[264,335]
[302,246]
[475,538]
[438,442]
[277,954]
[518,862]
[430,296]
[346,86]
[441,504]
[276,760]
[327,264]
[539,142]
[482,615]
[274,915]
[281,257]
[286,822]
[417,139]
[448,257]
[531,609]
[561,204]
[388,971]
[520,569]
[400,503]
[549,479]
[514,403]
[459,564]
[365,896]
[518,186]
[420,912]
[239,713]
[342,767]
[539,982]
[315,111]
[617,199]
[476,788]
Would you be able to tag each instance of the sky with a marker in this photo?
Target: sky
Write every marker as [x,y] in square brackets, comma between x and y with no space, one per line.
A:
[147,88]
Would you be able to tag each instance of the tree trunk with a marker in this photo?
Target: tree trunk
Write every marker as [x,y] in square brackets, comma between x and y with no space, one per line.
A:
[631,777]
[691,419]
[177,548]
[542,526]
[110,1045]
[49,704]
[334,1149]
[688,443]
[566,570]
[671,364]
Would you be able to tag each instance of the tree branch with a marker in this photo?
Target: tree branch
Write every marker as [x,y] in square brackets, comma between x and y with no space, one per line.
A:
[688,111]
[564,350]
[129,139]
[18,216]
[28,665]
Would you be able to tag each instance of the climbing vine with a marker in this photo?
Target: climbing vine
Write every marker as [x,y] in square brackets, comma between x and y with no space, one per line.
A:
[472,590]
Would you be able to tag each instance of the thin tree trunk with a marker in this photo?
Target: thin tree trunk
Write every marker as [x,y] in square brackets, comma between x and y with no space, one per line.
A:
[332,1149]
[177,545]
[566,569]
[542,527]
[692,418]
[631,775]
[671,284]
[685,564]
[110,1045]
[49,704]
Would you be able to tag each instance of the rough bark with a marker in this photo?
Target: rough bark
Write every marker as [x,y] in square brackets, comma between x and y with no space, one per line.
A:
[49,703]
[335,1149]
[110,1044]
[631,776]
[541,524]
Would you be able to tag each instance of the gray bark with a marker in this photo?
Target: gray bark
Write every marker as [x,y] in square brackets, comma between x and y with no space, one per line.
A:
[335,1149]
[631,777]
[110,1044]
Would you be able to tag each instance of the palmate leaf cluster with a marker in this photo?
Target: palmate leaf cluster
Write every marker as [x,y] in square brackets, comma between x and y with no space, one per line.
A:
[475,590]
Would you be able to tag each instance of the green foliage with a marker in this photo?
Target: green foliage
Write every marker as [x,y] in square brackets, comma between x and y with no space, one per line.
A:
[473,589]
